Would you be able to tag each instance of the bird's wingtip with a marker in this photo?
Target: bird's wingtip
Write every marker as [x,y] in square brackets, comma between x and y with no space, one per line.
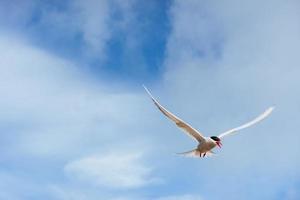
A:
[149,93]
[271,108]
[144,87]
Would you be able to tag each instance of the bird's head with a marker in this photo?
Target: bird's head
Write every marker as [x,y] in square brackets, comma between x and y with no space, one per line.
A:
[217,140]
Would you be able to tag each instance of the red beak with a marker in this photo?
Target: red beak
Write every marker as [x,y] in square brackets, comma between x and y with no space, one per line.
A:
[219,144]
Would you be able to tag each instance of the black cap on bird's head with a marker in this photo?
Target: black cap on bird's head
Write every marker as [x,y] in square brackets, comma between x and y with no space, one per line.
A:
[217,140]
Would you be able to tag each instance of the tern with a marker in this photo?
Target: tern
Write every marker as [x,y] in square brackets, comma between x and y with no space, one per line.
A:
[205,144]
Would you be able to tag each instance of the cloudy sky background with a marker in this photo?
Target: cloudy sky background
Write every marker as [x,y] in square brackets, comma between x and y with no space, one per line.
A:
[75,123]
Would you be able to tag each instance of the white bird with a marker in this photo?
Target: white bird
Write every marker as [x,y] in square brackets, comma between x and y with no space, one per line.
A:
[205,144]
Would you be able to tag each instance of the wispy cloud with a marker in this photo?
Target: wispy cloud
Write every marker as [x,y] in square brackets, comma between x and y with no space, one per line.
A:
[47,98]
[117,170]
[53,113]
[93,17]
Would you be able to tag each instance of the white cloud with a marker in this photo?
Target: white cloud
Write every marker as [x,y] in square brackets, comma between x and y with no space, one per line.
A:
[62,114]
[55,108]
[116,170]
[93,17]
[95,21]
[88,21]
[50,112]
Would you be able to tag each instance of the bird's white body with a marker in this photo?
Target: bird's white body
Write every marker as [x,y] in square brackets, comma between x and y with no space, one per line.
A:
[205,144]
[203,149]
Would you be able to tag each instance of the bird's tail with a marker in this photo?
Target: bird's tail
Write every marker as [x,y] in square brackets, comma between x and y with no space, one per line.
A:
[196,153]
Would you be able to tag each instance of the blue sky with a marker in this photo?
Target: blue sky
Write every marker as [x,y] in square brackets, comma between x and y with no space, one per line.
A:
[76,124]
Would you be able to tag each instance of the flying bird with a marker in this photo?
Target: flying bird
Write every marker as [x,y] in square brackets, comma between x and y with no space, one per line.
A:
[205,144]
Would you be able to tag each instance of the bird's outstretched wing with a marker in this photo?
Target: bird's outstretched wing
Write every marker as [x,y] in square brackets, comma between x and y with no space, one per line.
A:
[196,135]
[254,121]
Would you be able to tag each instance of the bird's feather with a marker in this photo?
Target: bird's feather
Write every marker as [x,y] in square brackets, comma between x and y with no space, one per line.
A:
[254,121]
[196,135]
